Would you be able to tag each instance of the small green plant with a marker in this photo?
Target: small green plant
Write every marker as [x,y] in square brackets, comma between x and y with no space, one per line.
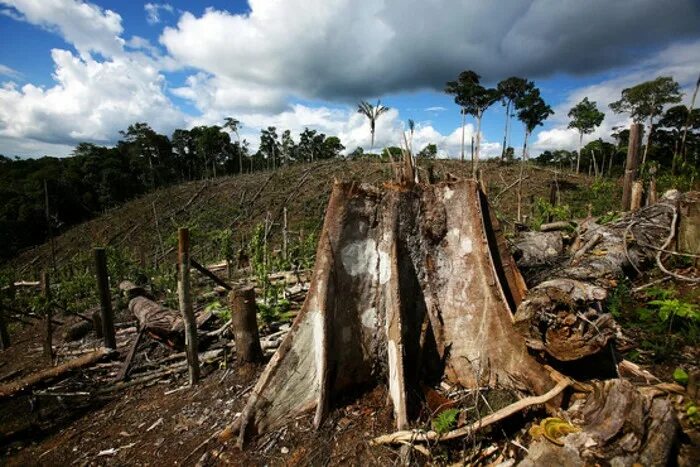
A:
[544,212]
[673,307]
[220,311]
[680,376]
[608,217]
[619,299]
[445,421]
[692,412]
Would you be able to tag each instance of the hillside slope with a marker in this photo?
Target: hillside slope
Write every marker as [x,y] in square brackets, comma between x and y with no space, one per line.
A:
[146,227]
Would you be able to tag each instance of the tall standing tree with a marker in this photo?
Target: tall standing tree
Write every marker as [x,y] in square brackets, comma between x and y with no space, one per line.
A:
[372,112]
[474,99]
[644,102]
[532,112]
[510,90]
[234,125]
[411,130]
[585,117]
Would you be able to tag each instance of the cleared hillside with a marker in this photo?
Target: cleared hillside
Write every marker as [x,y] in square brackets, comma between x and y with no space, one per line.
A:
[146,227]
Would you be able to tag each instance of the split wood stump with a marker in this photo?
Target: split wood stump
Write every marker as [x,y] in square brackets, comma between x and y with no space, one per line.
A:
[245,325]
[412,283]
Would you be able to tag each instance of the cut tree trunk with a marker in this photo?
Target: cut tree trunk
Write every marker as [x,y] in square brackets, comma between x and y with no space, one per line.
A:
[618,426]
[161,323]
[17,387]
[563,315]
[411,283]
[245,325]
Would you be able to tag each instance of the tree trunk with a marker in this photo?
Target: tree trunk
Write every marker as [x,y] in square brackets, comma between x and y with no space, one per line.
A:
[411,282]
[637,194]
[520,179]
[578,155]
[563,314]
[110,340]
[475,168]
[505,132]
[48,312]
[464,122]
[646,148]
[245,325]
[631,165]
[185,303]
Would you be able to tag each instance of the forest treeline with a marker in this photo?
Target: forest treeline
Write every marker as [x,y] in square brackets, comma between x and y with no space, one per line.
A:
[47,195]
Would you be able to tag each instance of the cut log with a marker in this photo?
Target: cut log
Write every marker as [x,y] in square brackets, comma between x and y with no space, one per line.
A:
[619,426]
[387,262]
[17,387]
[131,290]
[162,323]
[535,249]
[245,325]
[564,316]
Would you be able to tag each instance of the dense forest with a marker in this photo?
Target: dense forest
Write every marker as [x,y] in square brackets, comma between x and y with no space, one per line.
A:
[44,196]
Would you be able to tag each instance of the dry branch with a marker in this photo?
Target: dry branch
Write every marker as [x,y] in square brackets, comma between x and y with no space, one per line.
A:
[44,376]
[505,412]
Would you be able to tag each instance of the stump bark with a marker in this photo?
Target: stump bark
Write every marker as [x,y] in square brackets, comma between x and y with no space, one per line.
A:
[245,325]
[411,283]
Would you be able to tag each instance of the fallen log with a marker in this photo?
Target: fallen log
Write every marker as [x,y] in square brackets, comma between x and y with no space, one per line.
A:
[564,315]
[162,323]
[25,384]
[618,426]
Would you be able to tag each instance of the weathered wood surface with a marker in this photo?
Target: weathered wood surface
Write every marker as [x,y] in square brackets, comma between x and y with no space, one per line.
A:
[563,314]
[44,376]
[619,426]
[409,282]
[162,323]
[245,325]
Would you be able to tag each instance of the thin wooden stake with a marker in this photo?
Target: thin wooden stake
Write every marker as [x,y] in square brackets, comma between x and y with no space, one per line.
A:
[108,333]
[284,233]
[48,325]
[185,302]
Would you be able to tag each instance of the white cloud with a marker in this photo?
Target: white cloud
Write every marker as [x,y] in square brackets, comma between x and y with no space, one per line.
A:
[91,101]
[435,109]
[9,72]
[153,11]
[88,27]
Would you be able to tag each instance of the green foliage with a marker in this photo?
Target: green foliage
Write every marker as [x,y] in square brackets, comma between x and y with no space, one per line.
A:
[585,116]
[609,217]
[220,311]
[445,421]
[680,376]
[619,299]
[544,211]
[671,308]
[647,100]
[692,412]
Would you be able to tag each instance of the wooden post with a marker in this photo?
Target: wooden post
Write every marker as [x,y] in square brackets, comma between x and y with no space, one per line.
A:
[185,302]
[284,233]
[689,226]
[245,325]
[635,143]
[637,192]
[4,334]
[108,334]
[48,325]
[651,193]
[97,324]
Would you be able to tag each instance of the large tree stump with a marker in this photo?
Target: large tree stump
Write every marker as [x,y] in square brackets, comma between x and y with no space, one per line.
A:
[411,283]
[245,325]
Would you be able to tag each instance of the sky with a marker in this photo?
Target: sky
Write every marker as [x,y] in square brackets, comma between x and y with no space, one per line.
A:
[74,71]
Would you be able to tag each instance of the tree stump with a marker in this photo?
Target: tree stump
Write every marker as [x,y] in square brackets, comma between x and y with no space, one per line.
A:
[411,283]
[245,325]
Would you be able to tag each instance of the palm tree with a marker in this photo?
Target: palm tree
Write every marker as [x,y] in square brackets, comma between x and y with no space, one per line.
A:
[233,125]
[372,113]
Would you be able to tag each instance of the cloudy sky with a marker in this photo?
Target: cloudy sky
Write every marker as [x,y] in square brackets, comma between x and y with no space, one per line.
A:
[72,70]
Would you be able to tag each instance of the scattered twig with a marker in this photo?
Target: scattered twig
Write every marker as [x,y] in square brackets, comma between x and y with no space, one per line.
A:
[665,245]
[409,435]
